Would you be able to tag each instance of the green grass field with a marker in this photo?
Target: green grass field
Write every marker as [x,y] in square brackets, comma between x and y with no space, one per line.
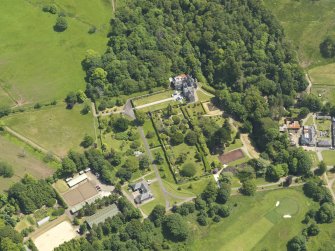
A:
[38,64]
[256,223]
[148,127]
[324,240]
[54,128]
[11,153]
[306,23]
[329,157]
[153,98]
[323,78]
[314,158]
[203,97]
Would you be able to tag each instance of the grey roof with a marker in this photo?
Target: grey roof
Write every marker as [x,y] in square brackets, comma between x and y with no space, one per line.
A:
[324,143]
[142,197]
[143,186]
[326,117]
[102,214]
[144,190]
[308,136]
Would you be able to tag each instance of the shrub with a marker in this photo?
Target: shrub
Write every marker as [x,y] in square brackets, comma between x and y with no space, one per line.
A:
[188,170]
[224,211]
[121,124]
[50,8]
[6,170]
[202,220]
[51,202]
[191,138]
[61,24]
[87,141]
[176,120]
[37,106]
[177,138]
[92,30]
[150,135]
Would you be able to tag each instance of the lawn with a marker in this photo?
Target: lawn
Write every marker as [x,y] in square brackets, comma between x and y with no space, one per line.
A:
[324,125]
[61,186]
[164,169]
[153,98]
[38,64]
[55,128]
[309,121]
[255,223]
[13,154]
[159,106]
[233,146]
[203,97]
[159,199]
[4,98]
[329,157]
[148,127]
[306,23]
[314,158]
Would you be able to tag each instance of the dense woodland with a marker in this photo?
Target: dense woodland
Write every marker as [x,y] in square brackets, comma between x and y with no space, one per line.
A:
[231,45]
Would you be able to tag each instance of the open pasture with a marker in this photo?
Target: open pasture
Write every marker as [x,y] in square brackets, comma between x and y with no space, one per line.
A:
[38,64]
[306,23]
[54,128]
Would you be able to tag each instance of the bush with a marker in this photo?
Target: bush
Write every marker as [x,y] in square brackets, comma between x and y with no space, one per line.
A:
[87,141]
[50,8]
[61,24]
[37,106]
[6,170]
[4,111]
[51,202]
[58,212]
[313,230]
[176,120]
[224,211]
[188,170]
[202,220]
[177,138]
[121,124]
[216,218]
[92,30]
[191,138]
[150,135]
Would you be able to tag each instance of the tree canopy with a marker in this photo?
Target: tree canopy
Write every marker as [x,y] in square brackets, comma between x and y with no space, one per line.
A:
[229,44]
